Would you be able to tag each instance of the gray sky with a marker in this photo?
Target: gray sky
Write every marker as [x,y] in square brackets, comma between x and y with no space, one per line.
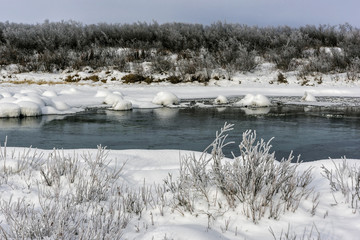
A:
[250,12]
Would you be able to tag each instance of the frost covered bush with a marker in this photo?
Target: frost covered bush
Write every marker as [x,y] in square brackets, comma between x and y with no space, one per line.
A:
[79,197]
[345,179]
[254,182]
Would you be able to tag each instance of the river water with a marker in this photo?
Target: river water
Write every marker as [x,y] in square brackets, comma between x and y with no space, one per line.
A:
[312,132]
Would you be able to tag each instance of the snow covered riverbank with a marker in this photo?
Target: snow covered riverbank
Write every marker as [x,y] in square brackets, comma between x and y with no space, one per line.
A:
[30,196]
[33,100]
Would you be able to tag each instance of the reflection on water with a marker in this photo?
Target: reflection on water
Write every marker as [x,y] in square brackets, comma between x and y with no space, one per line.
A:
[256,111]
[315,133]
[26,123]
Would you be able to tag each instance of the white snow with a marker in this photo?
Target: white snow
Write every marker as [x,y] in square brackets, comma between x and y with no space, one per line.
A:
[145,169]
[334,218]
[251,100]
[9,109]
[122,105]
[308,97]
[166,99]
[29,109]
[49,93]
[221,100]
[112,98]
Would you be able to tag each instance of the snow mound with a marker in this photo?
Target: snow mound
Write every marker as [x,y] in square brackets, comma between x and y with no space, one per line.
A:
[308,97]
[254,101]
[221,100]
[49,93]
[102,93]
[112,99]
[34,99]
[122,105]
[70,91]
[59,105]
[5,94]
[165,99]
[29,109]
[8,100]
[9,110]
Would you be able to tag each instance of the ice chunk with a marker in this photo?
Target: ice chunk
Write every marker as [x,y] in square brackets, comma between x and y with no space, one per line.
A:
[166,99]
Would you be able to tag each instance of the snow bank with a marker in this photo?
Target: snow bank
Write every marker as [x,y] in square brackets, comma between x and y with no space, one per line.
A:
[9,110]
[166,99]
[254,101]
[221,100]
[29,109]
[331,218]
[33,102]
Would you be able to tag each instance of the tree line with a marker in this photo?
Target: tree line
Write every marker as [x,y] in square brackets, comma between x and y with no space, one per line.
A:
[49,46]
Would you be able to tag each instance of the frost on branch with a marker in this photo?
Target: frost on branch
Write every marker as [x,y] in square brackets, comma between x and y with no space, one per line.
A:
[254,182]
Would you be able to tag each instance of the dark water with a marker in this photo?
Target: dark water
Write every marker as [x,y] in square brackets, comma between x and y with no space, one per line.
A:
[315,133]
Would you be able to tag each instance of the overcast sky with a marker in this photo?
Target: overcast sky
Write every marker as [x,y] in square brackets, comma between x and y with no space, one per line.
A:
[250,12]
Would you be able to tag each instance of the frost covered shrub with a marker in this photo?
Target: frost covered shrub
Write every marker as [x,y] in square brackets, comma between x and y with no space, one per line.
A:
[254,182]
[78,198]
[162,64]
[345,179]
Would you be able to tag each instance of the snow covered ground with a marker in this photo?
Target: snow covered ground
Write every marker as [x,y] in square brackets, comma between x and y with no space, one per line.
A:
[325,213]
[145,170]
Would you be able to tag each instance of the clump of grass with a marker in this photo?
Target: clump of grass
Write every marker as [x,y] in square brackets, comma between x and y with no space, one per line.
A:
[281,78]
[173,79]
[136,78]
[94,78]
[72,79]
[37,82]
